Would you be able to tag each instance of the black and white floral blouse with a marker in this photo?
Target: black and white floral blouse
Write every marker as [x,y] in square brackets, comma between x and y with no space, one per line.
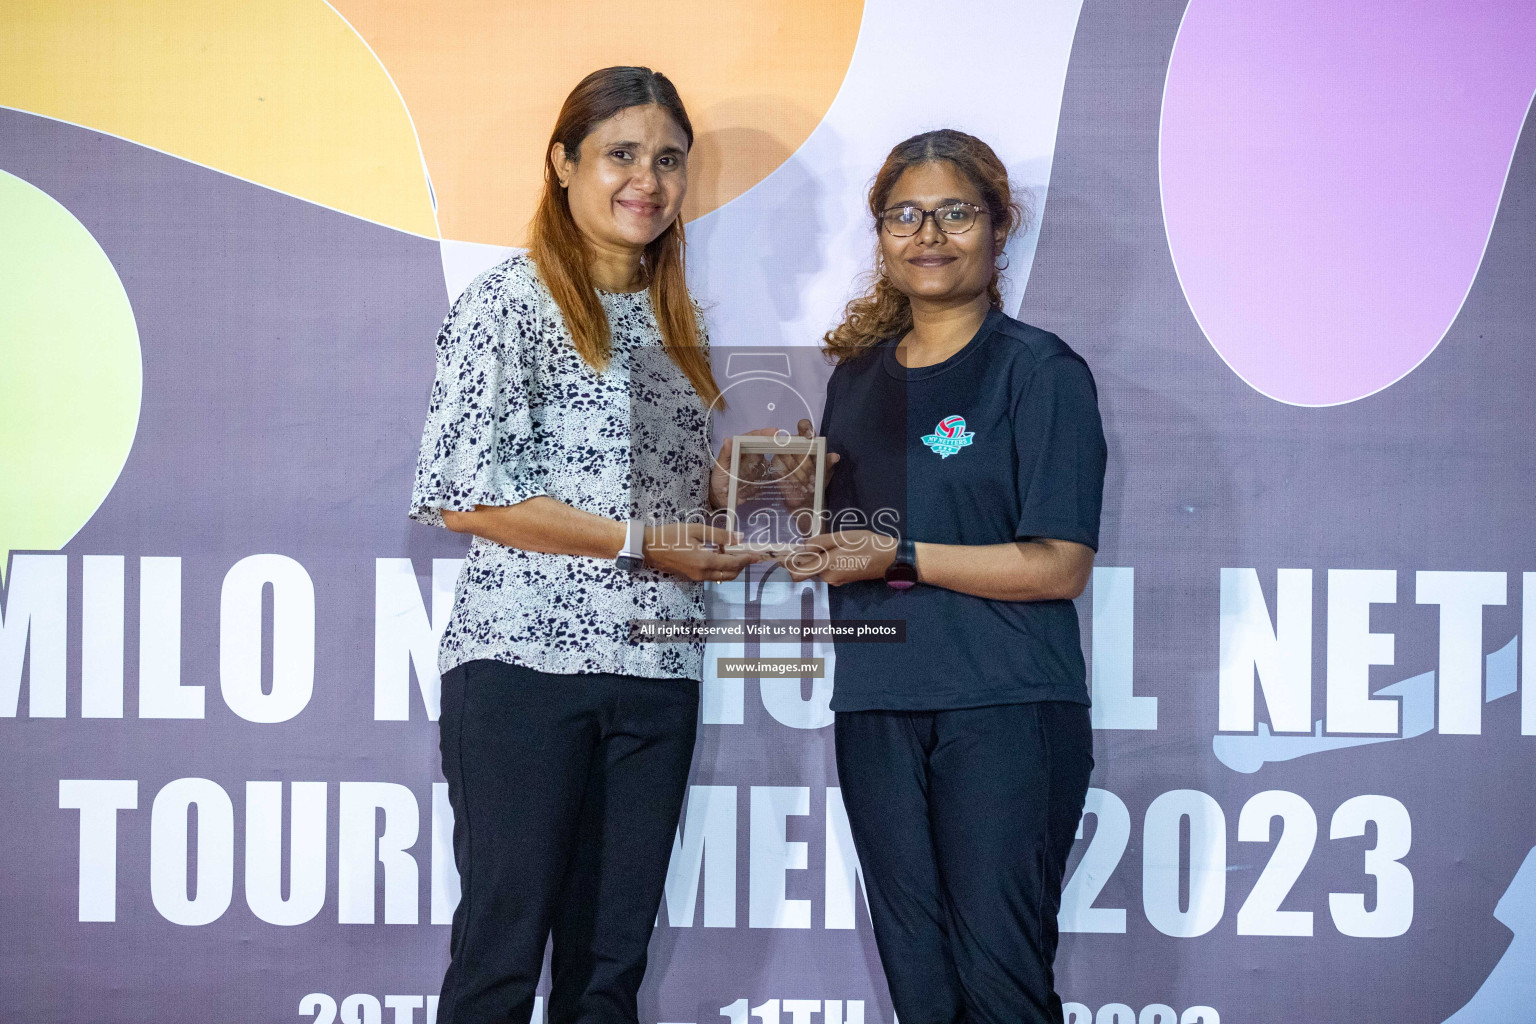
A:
[515,413]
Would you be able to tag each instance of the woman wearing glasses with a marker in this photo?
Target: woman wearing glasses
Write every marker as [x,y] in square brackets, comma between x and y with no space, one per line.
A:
[571,410]
[964,753]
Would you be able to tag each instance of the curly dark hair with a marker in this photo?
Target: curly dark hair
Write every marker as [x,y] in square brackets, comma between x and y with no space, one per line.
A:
[883,312]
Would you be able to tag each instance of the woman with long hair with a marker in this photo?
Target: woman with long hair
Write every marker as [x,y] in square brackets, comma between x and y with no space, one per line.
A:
[963,753]
[569,433]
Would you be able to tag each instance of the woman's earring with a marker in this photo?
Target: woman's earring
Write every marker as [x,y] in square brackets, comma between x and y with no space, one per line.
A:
[1003,265]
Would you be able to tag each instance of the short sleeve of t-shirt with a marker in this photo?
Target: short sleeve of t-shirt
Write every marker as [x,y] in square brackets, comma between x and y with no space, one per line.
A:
[1059,443]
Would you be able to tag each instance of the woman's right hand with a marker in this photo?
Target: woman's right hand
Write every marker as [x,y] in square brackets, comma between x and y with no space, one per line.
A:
[693,550]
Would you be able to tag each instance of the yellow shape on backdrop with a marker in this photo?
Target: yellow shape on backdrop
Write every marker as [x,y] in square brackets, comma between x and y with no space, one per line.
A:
[484,80]
[279,92]
[73,375]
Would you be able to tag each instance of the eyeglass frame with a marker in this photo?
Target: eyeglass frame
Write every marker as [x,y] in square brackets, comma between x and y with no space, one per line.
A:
[934,213]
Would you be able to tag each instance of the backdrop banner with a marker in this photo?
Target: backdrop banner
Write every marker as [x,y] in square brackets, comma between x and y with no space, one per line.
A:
[1294,241]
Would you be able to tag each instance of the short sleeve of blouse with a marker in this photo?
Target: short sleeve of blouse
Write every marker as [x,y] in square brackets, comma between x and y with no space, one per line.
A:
[477,447]
[1059,444]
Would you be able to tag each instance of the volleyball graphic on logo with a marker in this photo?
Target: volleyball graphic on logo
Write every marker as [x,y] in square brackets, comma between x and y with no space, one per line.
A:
[949,436]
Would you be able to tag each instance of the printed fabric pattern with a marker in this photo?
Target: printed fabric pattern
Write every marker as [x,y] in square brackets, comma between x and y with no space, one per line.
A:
[515,412]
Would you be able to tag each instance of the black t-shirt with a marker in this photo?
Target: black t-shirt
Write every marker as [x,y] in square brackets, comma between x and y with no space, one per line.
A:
[999,442]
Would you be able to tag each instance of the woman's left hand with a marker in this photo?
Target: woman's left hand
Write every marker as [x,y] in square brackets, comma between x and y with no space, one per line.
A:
[841,557]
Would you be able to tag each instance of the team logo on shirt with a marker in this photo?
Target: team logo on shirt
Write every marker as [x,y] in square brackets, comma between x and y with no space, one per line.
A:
[949,436]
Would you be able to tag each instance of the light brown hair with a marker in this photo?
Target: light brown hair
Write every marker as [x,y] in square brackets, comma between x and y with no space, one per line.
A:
[560,253]
[883,312]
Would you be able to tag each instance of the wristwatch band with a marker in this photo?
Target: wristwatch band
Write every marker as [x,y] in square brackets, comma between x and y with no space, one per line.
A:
[632,555]
[901,574]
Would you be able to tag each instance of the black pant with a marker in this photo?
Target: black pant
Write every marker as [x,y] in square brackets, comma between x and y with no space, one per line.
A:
[962,821]
[566,791]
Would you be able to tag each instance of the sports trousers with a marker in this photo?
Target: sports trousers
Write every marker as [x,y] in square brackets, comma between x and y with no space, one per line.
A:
[566,791]
[962,821]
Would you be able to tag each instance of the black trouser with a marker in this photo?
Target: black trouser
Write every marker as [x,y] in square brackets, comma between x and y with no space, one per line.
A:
[962,821]
[566,790]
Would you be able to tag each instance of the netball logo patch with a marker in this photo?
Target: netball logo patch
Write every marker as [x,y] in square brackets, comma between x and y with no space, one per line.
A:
[949,436]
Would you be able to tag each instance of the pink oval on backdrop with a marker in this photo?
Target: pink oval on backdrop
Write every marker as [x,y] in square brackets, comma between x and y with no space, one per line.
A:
[1330,173]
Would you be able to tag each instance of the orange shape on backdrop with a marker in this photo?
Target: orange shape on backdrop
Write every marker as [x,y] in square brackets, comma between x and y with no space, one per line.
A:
[484,80]
[278,92]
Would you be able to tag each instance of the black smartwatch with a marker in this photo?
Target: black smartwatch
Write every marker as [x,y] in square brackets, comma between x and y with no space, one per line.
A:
[901,574]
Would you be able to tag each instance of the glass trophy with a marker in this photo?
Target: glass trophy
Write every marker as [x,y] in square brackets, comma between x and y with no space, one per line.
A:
[776,493]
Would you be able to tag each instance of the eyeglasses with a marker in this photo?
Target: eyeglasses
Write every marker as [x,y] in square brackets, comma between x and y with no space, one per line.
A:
[951,218]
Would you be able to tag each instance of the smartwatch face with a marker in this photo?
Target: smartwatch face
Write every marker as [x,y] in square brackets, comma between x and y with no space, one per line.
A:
[629,563]
[901,575]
